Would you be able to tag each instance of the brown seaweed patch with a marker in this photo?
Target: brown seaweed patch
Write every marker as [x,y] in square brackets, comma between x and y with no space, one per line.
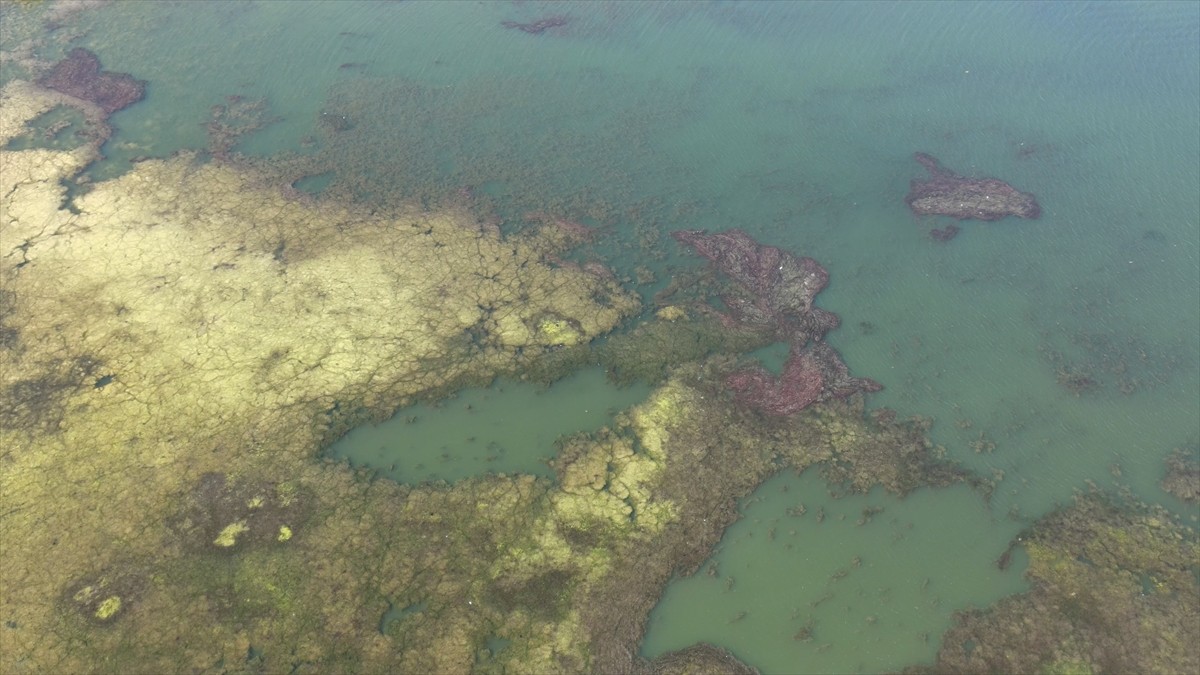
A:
[1108,360]
[233,120]
[1183,474]
[544,595]
[79,75]
[38,404]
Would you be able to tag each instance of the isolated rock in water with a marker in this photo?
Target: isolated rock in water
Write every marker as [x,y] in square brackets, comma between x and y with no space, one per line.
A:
[949,194]
[79,75]
[780,287]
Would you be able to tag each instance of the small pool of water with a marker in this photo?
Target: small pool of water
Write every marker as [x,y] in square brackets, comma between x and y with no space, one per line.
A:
[509,427]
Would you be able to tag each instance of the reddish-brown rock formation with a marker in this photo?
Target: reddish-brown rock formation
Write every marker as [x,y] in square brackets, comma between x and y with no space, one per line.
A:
[949,194]
[775,292]
[79,75]
[812,373]
[778,287]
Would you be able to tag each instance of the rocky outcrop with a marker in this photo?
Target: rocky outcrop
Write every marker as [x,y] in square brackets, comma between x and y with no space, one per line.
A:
[774,292]
[946,193]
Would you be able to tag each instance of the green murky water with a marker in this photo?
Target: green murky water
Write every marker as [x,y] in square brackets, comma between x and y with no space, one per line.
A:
[795,122]
[855,584]
[509,427]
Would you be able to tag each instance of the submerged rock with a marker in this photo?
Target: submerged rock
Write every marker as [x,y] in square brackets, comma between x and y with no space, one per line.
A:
[945,233]
[1182,478]
[79,75]
[946,193]
[539,26]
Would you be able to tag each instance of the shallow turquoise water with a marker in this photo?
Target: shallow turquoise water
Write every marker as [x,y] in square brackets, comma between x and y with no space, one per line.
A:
[795,122]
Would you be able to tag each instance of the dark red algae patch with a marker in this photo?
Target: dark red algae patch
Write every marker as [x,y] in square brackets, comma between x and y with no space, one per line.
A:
[79,75]
[948,194]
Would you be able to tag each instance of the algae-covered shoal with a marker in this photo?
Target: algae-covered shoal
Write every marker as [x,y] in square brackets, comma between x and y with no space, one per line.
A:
[190,320]
[1115,589]
[180,343]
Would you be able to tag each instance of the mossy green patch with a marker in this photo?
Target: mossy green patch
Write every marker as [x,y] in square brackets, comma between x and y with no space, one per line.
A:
[228,536]
[108,607]
[558,332]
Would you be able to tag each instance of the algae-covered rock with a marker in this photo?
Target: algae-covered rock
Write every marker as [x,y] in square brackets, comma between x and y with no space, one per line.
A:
[1182,477]
[877,449]
[671,313]
[700,659]
[649,351]
[1114,590]
[558,332]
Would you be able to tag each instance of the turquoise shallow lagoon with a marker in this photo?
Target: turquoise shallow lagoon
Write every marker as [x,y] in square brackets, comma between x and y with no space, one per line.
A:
[795,122]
